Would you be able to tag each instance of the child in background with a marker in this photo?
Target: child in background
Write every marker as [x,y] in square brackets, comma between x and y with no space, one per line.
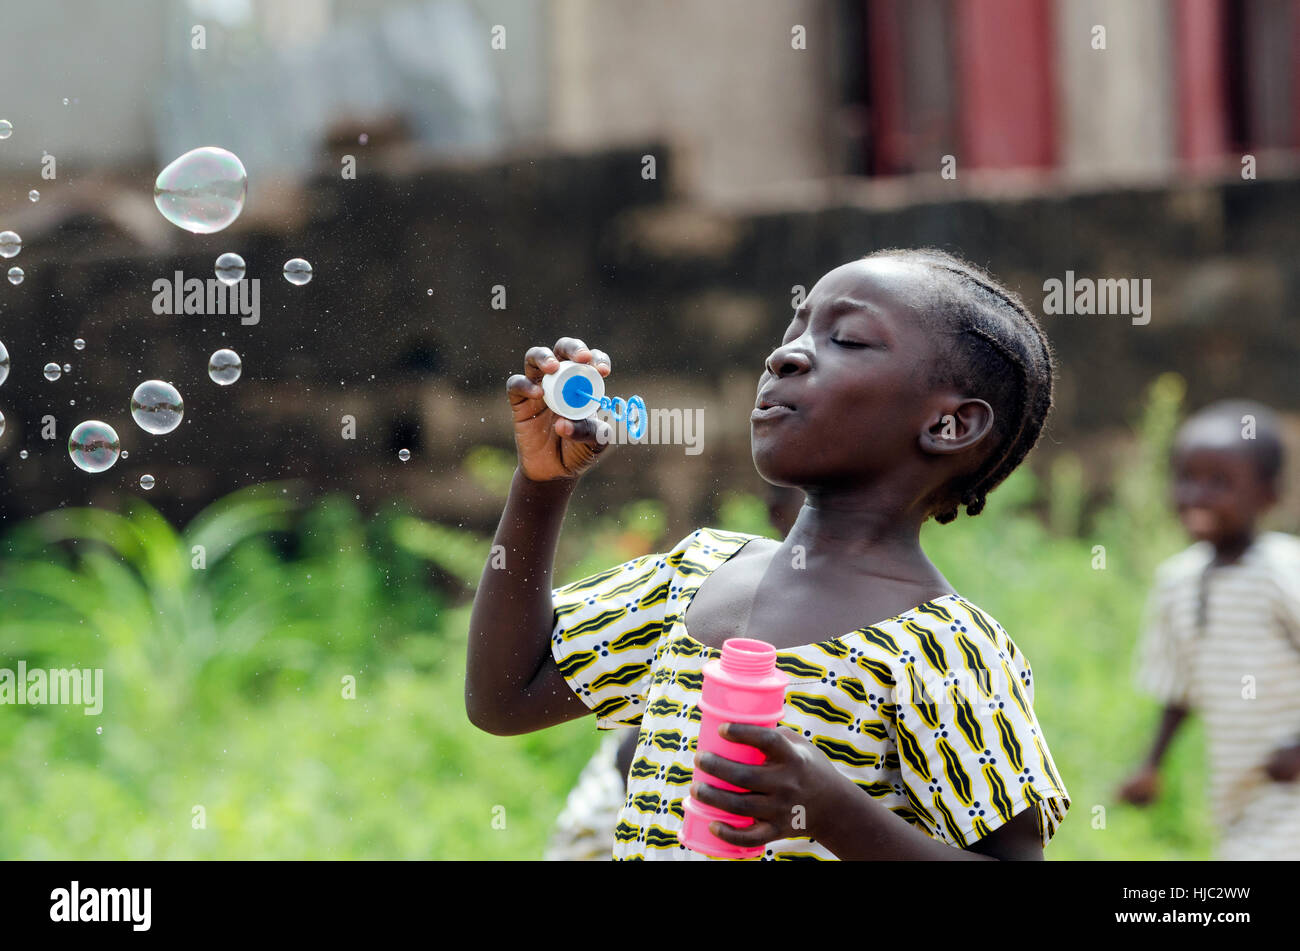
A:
[1222,634]
[584,830]
[909,384]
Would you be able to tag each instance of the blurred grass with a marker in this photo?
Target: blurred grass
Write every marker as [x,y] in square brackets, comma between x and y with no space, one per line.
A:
[224,685]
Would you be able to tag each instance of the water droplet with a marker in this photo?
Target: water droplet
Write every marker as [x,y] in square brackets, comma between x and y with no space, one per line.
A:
[404,454]
[34,195]
[79,344]
[93,446]
[4,363]
[297,271]
[67,368]
[230,268]
[146,481]
[224,367]
[202,191]
[16,275]
[6,128]
[23,454]
[52,371]
[156,407]
[10,244]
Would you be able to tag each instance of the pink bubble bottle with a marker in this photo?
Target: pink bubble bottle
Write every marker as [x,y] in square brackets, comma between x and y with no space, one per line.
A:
[743,686]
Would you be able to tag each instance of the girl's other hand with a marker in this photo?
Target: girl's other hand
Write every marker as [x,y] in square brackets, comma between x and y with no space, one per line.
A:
[548,445]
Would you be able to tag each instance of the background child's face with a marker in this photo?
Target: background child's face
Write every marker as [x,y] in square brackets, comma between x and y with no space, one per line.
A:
[1217,490]
[854,365]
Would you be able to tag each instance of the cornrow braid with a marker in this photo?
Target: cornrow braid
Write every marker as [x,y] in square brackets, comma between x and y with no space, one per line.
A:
[1002,335]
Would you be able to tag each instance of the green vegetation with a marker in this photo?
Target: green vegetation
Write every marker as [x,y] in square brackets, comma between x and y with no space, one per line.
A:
[225,684]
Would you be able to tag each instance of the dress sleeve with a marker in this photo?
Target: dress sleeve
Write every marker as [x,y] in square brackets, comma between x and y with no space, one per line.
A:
[1159,665]
[607,629]
[971,752]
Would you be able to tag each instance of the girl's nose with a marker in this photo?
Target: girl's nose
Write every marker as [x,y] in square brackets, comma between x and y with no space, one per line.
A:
[788,360]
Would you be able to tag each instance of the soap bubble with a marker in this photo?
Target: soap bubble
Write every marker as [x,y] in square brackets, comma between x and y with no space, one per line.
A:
[93,446]
[363,138]
[34,195]
[297,271]
[156,407]
[146,481]
[124,453]
[2,424]
[404,454]
[23,454]
[67,368]
[224,367]
[79,344]
[4,363]
[230,268]
[430,292]
[52,372]
[16,275]
[6,128]
[98,729]
[202,191]
[10,244]
[65,100]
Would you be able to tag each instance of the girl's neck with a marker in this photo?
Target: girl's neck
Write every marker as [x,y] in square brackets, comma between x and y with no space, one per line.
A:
[853,529]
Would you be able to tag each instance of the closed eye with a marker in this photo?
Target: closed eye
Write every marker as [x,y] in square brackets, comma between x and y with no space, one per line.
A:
[850,343]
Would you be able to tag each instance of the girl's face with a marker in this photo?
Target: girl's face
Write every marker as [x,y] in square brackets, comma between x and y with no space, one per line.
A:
[853,371]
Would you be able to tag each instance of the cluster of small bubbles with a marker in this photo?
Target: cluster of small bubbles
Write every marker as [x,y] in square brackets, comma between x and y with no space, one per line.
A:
[34,195]
[156,407]
[79,344]
[10,244]
[52,372]
[6,128]
[146,481]
[297,271]
[230,268]
[202,191]
[16,275]
[404,454]
[224,367]
[4,363]
[94,446]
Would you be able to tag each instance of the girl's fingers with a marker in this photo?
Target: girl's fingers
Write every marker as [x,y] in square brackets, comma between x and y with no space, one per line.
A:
[571,348]
[520,388]
[601,359]
[539,361]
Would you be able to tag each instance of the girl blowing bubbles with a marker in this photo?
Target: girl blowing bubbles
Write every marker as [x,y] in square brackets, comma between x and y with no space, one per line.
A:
[907,385]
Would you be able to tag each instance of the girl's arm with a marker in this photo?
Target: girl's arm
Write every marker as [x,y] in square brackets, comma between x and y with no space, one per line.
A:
[512,683]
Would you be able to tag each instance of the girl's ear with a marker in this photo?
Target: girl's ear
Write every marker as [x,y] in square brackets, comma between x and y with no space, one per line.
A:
[958,425]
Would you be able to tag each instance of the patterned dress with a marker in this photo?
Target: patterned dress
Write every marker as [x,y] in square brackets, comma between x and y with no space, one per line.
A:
[930,712]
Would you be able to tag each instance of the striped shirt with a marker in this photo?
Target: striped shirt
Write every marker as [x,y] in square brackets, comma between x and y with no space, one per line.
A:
[1225,641]
[930,713]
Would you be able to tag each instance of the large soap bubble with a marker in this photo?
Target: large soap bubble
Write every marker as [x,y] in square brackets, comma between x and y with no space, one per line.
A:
[202,191]
[157,407]
[94,446]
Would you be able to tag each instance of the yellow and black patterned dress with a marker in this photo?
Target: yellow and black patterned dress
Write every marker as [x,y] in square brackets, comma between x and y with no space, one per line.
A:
[930,713]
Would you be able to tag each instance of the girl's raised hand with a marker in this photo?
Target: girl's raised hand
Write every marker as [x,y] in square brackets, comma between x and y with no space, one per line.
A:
[550,446]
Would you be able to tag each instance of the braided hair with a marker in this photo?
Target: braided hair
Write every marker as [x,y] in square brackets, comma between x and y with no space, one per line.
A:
[995,350]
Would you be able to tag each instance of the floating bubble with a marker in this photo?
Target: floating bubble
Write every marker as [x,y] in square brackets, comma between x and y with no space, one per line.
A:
[2,424]
[430,292]
[34,195]
[93,446]
[404,454]
[156,407]
[224,367]
[363,138]
[297,271]
[16,276]
[124,453]
[230,268]
[98,729]
[23,454]
[202,191]
[65,100]
[146,481]
[67,368]
[10,244]
[79,344]
[4,363]
[52,371]
[6,128]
